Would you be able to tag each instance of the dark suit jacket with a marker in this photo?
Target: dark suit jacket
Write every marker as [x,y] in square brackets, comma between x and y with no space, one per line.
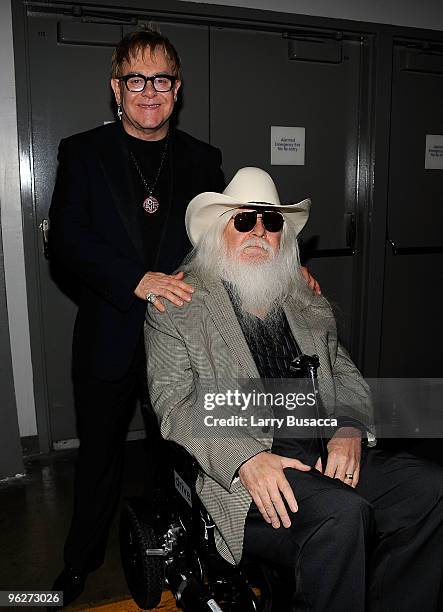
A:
[93,233]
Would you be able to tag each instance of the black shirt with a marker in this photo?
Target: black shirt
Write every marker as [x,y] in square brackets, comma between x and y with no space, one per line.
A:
[148,155]
[273,348]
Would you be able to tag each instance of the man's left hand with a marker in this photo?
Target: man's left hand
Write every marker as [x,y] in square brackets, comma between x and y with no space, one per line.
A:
[344,455]
[312,283]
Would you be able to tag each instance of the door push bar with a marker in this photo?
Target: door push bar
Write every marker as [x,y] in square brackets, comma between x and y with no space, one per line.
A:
[424,250]
[346,251]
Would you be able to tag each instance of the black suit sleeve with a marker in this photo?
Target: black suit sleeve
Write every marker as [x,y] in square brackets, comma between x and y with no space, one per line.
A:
[75,242]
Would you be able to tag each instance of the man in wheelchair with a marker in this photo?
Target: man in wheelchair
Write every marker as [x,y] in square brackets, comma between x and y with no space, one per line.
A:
[354,527]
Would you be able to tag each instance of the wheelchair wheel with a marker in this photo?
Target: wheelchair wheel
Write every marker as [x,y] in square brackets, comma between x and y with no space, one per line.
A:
[144,575]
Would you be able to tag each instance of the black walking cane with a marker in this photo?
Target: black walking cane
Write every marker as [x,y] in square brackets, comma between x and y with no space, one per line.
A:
[307,365]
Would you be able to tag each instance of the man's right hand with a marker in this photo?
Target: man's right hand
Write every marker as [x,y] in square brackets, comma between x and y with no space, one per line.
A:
[263,477]
[168,286]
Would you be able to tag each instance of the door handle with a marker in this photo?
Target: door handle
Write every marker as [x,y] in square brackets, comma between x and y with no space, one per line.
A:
[44,228]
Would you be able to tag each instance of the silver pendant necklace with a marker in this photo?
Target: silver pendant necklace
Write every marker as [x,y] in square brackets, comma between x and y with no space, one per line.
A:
[151,204]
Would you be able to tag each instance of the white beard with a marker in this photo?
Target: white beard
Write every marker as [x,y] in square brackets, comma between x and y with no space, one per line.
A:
[259,285]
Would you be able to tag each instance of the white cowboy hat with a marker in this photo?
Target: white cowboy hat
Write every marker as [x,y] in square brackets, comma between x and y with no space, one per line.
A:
[249,186]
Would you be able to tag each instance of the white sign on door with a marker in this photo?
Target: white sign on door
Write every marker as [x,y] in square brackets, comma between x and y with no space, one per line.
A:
[287,146]
[434,152]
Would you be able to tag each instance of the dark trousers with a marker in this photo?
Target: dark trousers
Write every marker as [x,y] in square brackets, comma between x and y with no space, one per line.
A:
[381,543]
[104,410]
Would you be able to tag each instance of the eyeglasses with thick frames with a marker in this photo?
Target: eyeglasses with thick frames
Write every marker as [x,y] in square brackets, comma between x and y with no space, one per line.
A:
[136,82]
[245,221]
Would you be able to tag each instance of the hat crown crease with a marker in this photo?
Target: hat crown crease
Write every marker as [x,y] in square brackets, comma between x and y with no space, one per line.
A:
[253,185]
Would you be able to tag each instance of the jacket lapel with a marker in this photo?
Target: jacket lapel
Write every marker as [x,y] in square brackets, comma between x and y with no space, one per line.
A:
[221,310]
[300,326]
[114,160]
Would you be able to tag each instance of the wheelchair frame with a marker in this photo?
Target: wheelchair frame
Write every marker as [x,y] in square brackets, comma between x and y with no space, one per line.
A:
[174,544]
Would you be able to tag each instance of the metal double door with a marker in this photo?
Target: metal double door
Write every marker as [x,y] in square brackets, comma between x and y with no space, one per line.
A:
[412,330]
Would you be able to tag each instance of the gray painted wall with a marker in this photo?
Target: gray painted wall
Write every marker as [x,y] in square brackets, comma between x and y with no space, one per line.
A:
[11,463]
[11,220]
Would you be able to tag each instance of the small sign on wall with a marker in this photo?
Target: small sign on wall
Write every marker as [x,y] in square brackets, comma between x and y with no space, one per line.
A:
[434,152]
[287,146]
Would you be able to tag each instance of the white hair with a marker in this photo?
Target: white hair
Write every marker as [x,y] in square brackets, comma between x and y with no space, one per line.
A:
[258,286]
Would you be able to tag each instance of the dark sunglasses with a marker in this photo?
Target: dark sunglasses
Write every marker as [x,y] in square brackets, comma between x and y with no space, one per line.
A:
[245,221]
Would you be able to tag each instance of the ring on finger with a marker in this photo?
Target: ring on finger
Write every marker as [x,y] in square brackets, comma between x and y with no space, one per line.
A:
[151,297]
[350,476]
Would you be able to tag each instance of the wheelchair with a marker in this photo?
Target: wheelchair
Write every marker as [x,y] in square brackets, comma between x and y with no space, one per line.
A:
[171,542]
[173,545]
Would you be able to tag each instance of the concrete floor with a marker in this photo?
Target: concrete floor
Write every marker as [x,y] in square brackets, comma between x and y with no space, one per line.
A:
[35,512]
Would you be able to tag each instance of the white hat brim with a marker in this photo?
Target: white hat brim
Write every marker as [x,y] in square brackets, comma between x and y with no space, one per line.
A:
[205,208]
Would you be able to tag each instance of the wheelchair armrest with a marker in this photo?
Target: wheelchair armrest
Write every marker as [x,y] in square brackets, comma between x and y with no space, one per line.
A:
[187,468]
[183,462]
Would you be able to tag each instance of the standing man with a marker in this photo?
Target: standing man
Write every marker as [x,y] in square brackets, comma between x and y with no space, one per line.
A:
[117,224]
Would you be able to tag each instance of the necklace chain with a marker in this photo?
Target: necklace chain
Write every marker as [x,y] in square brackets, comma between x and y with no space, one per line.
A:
[150,189]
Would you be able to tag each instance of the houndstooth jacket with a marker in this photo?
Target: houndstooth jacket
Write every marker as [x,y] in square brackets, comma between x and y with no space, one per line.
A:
[197,349]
